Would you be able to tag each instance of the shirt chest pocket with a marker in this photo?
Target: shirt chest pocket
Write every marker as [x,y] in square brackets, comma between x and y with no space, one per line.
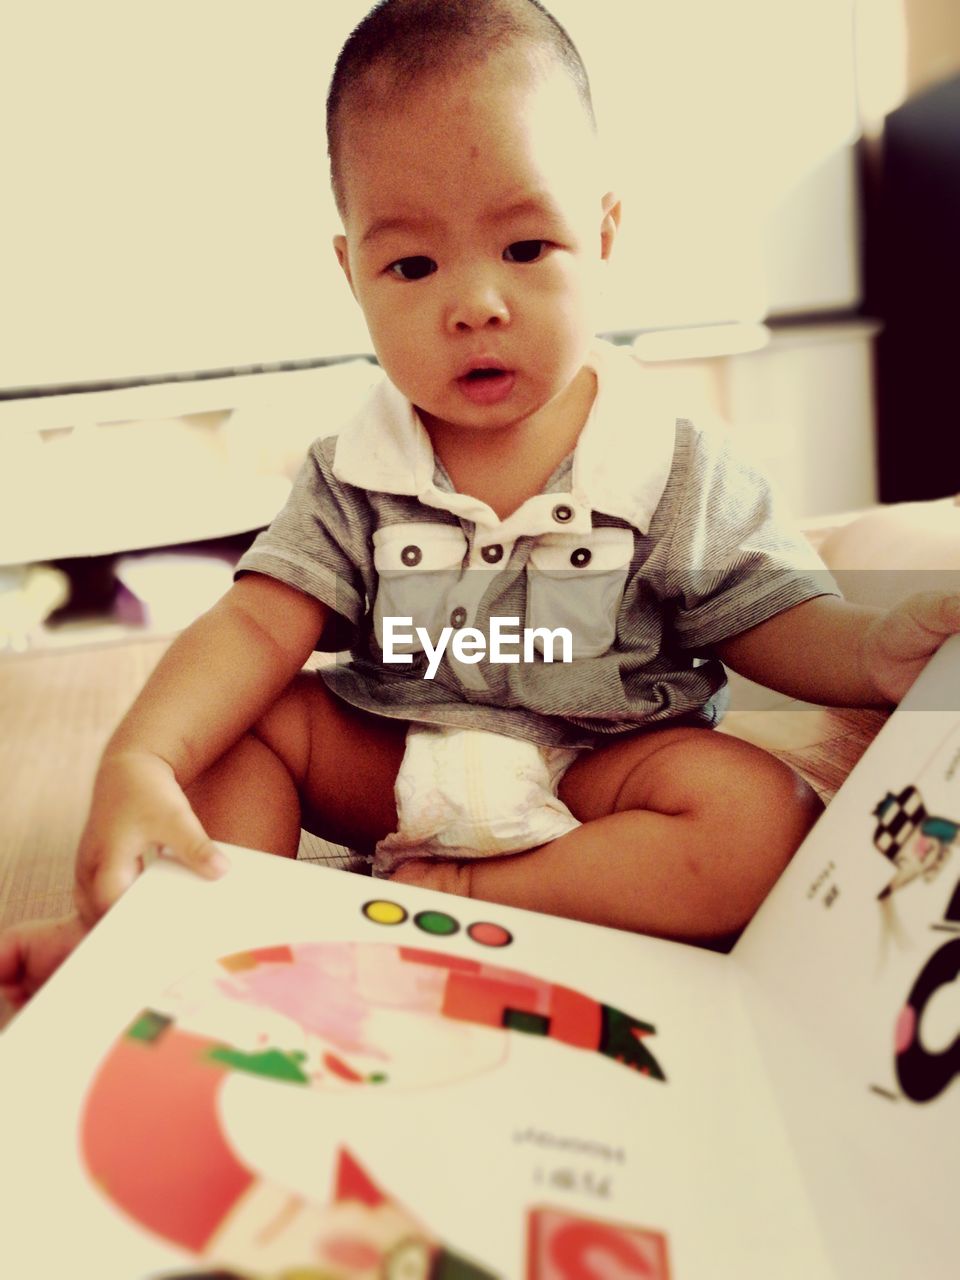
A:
[576,581]
[418,566]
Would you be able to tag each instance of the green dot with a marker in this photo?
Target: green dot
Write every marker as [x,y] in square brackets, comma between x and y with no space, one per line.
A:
[435,922]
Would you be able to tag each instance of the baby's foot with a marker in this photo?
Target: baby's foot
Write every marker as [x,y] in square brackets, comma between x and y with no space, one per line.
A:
[443,874]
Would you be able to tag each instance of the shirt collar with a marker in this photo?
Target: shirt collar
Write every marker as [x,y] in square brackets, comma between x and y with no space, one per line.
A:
[620,465]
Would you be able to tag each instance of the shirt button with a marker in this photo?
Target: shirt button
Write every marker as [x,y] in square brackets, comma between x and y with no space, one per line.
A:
[411,555]
[458,617]
[562,513]
[580,558]
[492,554]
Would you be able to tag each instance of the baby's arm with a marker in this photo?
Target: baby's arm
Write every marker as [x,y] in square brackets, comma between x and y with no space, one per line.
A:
[836,653]
[213,683]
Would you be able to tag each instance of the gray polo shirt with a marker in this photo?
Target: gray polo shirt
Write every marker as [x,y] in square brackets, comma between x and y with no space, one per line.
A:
[649,544]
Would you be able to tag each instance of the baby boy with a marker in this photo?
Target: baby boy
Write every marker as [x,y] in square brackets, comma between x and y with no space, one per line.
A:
[508,473]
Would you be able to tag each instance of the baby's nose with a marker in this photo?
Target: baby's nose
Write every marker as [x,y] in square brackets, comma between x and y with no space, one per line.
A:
[478,304]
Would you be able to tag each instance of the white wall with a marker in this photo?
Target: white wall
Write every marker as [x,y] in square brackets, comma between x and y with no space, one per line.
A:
[165,191]
[730,123]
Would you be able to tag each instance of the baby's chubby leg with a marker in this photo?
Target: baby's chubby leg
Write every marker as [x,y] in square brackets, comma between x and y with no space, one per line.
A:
[310,761]
[684,833]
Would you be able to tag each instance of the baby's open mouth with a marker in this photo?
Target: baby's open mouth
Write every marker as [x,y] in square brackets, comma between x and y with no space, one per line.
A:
[487,384]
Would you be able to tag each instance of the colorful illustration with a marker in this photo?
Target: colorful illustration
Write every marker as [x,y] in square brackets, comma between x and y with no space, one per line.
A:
[562,1246]
[916,842]
[440,924]
[156,1134]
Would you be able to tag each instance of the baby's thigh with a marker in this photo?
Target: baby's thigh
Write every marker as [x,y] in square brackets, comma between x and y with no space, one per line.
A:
[740,797]
[343,761]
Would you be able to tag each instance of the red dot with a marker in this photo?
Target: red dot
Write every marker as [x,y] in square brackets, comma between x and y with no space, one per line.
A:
[490,935]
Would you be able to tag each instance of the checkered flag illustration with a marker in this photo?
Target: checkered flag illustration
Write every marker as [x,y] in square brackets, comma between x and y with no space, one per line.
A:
[898,816]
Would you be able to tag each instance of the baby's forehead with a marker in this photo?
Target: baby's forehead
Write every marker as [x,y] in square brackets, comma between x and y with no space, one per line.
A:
[459,142]
[405,48]
[387,90]
[464,97]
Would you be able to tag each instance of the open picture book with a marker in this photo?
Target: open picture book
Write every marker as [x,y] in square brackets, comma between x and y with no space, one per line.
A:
[297,1073]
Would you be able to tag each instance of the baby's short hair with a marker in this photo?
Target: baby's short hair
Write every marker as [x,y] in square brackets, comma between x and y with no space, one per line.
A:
[413,39]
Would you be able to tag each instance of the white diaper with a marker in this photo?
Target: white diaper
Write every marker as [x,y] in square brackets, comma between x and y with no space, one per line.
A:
[467,793]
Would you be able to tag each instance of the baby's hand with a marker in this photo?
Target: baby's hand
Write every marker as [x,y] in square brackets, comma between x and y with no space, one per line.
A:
[898,644]
[29,954]
[138,810]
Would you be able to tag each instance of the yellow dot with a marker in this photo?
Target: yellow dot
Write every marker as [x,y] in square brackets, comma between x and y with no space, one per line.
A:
[383,912]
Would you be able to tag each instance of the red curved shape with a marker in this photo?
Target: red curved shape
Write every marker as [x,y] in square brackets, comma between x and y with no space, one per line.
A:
[151,1136]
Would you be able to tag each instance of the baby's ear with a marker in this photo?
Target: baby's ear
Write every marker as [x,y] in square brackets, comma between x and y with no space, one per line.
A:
[340,249]
[610,223]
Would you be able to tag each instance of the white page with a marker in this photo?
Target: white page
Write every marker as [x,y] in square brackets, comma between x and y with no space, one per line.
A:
[835,976]
[496,1136]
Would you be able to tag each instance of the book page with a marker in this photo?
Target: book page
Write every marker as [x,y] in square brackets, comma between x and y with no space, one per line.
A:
[850,968]
[295,1070]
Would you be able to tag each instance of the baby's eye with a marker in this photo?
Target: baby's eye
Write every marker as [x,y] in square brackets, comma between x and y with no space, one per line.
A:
[417,268]
[524,250]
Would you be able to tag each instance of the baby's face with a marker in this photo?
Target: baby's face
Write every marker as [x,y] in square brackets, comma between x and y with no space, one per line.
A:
[475,232]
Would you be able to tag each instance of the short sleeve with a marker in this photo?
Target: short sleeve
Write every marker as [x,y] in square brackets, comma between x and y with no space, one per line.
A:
[732,557]
[319,542]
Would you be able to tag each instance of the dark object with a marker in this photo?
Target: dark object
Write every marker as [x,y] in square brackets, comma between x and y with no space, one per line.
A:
[914,280]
